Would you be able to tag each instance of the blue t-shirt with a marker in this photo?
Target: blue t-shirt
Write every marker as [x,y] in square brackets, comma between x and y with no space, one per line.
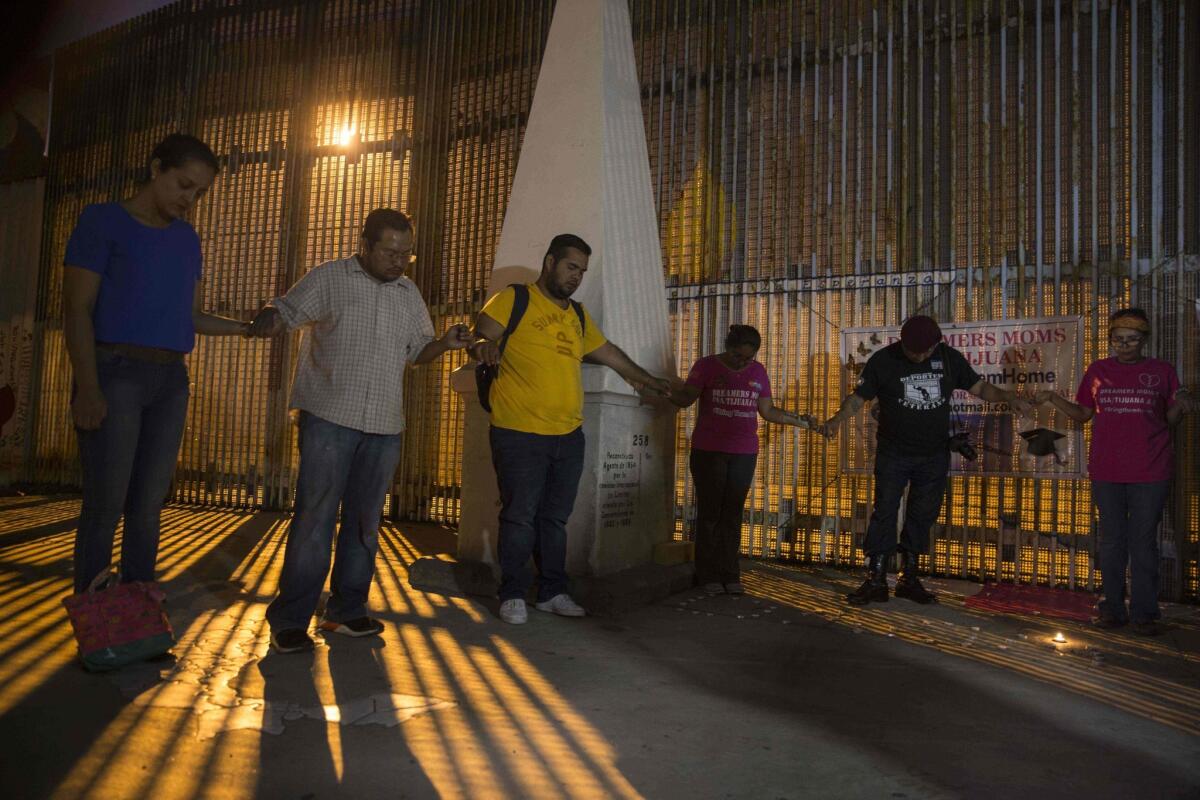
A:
[147,277]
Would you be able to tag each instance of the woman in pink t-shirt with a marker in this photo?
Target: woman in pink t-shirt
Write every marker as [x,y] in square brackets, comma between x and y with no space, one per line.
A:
[734,391]
[1132,401]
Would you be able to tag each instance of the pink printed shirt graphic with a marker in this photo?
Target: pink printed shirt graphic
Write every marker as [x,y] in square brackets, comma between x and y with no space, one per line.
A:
[1131,442]
[728,418]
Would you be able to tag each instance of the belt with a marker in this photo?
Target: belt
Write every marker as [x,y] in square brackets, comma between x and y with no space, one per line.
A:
[154,355]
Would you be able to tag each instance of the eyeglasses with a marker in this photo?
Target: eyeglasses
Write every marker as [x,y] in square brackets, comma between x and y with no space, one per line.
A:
[403,258]
[1126,340]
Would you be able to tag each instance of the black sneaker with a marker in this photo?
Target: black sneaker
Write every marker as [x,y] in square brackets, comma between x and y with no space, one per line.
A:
[871,591]
[363,626]
[911,589]
[1147,628]
[293,640]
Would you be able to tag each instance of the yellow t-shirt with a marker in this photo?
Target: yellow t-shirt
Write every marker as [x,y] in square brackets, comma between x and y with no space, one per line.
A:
[539,388]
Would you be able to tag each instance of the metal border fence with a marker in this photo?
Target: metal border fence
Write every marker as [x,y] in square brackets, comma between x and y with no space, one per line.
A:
[1042,154]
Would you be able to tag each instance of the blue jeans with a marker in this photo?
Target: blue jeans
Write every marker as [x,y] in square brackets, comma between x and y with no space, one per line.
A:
[925,477]
[338,466]
[128,463]
[722,482]
[538,478]
[1129,516]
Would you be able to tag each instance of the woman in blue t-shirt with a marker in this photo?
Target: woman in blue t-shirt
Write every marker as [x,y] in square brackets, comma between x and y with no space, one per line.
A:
[131,299]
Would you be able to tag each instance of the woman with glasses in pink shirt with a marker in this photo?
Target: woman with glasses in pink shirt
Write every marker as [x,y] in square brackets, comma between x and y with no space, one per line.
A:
[1132,402]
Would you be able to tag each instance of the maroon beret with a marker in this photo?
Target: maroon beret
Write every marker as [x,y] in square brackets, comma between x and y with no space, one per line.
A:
[920,333]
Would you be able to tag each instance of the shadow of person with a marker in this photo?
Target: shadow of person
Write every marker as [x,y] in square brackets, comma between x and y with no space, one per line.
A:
[375,758]
[295,755]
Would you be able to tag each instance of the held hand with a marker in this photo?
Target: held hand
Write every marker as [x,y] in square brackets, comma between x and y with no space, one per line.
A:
[658,387]
[1043,396]
[485,352]
[675,390]
[266,323]
[829,428]
[807,421]
[457,337]
[1019,404]
[89,409]
[653,390]
[1185,402]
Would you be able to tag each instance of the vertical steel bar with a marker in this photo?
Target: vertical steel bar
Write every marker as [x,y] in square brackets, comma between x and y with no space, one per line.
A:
[1157,113]
[1039,177]
[1181,192]
[1115,164]
[1134,54]
[1058,226]
[1020,164]
[871,266]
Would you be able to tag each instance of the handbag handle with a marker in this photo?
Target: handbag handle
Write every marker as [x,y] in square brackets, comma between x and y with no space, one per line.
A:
[99,580]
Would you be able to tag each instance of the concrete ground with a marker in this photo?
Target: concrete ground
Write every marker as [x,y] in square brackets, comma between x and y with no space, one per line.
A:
[784,693]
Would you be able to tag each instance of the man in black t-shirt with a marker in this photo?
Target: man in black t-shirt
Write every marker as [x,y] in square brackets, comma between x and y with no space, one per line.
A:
[912,380]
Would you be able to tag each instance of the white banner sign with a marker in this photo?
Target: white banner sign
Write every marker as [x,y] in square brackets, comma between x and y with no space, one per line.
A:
[1026,356]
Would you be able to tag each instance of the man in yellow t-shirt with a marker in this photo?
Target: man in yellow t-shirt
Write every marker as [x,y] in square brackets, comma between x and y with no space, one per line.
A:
[537,418]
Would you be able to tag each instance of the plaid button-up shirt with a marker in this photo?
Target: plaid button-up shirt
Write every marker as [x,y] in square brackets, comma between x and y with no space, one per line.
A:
[361,335]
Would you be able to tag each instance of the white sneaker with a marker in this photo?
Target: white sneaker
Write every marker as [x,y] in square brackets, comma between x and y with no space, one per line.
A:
[563,605]
[513,611]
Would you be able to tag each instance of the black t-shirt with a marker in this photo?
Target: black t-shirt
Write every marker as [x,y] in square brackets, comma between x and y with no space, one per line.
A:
[914,399]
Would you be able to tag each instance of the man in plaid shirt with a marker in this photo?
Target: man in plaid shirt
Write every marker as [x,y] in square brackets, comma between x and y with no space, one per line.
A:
[364,322]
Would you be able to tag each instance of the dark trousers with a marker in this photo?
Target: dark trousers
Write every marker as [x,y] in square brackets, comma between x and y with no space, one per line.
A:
[538,477]
[128,463]
[342,468]
[1129,515]
[722,483]
[925,477]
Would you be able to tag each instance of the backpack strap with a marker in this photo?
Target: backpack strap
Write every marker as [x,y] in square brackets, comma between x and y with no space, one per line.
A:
[520,305]
[575,304]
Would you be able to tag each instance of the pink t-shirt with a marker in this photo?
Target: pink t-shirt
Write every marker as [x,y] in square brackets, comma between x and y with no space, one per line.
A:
[1131,442]
[728,420]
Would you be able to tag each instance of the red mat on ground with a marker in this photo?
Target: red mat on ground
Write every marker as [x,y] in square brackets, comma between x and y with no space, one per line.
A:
[1041,600]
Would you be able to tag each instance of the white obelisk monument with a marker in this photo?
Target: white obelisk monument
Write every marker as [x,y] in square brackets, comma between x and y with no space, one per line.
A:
[584,169]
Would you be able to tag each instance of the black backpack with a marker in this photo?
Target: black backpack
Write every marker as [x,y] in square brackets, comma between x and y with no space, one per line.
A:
[485,374]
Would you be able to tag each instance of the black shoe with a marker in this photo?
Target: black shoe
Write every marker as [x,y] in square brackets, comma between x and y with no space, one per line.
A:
[1108,621]
[363,626]
[910,588]
[874,588]
[909,585]
[871,591]
[1147,628]
[293,640]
